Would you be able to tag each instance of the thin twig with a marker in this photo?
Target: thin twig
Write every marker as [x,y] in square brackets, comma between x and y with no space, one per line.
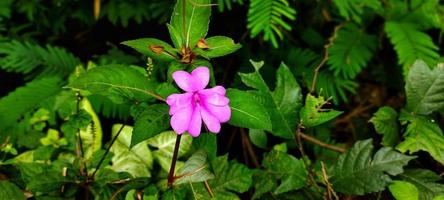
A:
[249,148]
[325,57]
[320,143]
[209,190]
[173,161]
[330,191]
[107,150]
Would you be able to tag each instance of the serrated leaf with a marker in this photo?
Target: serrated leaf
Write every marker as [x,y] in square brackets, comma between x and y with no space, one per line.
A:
[425,181]
[351,51]
[246,112]
[423,134]
[425,88]
[137,160]
[9,190]
[118,82]
[164,143]
[219,46]
[196,16]
[282,104]
[153,48]
[356,172]
[403,190]
[153,120]
[312,114]
[195,169]
[284,171]
[385,122]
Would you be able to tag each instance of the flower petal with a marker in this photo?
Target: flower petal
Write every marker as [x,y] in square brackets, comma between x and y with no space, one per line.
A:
[181,120]
[179,101]
[184,80]
[210,121]
[217,89]
[195,122]
[222,113]
[214,99]
[201,77]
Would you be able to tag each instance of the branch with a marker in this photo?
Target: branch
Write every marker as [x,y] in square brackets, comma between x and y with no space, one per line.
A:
[173,162]
[320,143]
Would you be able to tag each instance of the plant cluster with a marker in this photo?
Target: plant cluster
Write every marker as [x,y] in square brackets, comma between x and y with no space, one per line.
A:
[348,104]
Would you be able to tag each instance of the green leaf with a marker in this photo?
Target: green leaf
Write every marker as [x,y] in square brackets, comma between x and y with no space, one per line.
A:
[425,181]
[206,142]
[403,190]
[423,134]
[246,112]
[281,166]
[118,82]
[152,121]
[258,138]
[410,43]
[385,122]
[282,104]
[176,37]
[354,9]
[356,172]
[195,169]
[425,88]
[219,46]
[191,18]
[312,114]
[164,143]
[267,17]
[137,161]
[10,191]
[351,51]
[153,48]
[26,98]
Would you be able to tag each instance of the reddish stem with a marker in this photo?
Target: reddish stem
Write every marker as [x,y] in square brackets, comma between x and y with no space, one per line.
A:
[173,162]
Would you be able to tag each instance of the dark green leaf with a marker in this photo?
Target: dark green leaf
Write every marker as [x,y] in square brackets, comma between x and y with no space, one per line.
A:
[425,88]
[10,191]
[385,122]
[425,181]
[152,121]
[153,48]
[246,112]
[258,138]
[356,172]
[208,143]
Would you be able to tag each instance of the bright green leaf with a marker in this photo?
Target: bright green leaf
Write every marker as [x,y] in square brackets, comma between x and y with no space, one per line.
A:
[153,48]
[195,169]
[403,190]
[425,181]
[312,114]
[219,46]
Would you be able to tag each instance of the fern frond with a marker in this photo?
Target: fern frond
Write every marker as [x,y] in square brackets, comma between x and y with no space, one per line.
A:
[26,58]
[267,17]
[353,9]
[337,87]
[410,43]
[222,4]
[109,109]
[351,51]
[26,98]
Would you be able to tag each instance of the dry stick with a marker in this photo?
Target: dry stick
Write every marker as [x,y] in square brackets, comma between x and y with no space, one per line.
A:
[325,57]
[173,162]
[107,150]
[320,143]
[209,190]
[330,190]
[301,149]
[249,148]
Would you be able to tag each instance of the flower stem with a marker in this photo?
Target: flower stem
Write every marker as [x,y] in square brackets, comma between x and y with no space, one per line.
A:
[173,162]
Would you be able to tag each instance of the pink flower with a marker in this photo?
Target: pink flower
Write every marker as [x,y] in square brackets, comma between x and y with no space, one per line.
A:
[197,104]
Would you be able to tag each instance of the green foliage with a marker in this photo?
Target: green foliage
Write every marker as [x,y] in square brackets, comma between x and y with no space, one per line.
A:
[385,122]
[26,98]
[282,173]
[425,88]
[195,169]
[423,134]
[267,17]
[246,112]
[8,190]
[150,122]
[29,58]
[222,4]
[153,48]
[410,43]
[357,172]
[219,46]
[425,181]
[403,190]
[351,51]
[313,113]
[118,82]
[354,9]
[283,103]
